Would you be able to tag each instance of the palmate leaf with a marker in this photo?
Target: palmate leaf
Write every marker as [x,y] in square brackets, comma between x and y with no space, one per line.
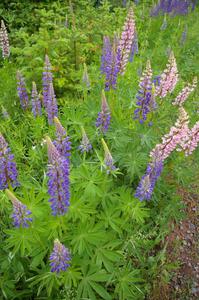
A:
[111,217]
[107,257]
[86,237]
[89,286]
[72,277]
[19,239]
[78,210]
[88,179]
[129,284]
[132,208]
[47,280]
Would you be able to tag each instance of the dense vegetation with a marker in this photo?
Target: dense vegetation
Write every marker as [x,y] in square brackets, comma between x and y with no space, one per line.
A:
[116,242]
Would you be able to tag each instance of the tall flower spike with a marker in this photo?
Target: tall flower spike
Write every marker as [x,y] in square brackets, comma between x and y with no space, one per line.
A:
[58,180]
[5,113]
[110,62]
[168,78]
[190,141]
[4,42]
[145,98]
[147,183]
[59,258]
[21,214]
[106,53]
[85,78]
[175,136]
[36,103]
[104,116]
[108,159]
[51,105]
[62,142]
[22,92]
[47,79]
[85,145]
[126,40]
[186,91]
[8,170]
[134,48]
[172,7]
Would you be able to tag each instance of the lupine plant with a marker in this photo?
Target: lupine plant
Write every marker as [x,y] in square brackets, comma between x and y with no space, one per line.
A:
[104,116]
[8,169]
[4,42]
[22,91]
[88,194]
[173,7]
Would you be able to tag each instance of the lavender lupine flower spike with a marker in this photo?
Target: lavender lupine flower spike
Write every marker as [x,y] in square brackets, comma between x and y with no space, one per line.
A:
[108,159]
[51,105]
[147,183]
[21,214]
[175,136]
[5,113]
[190,142]
[85,145]
[146,101]
[126,40]
[4,42]
[110,62]
[168,78]
[85,78]
[36,103]
[22,92]
[104,116]
[134,48]
[62,141]
[106,53]
[186,91]
[59,258]
[47,79]
[58,180]
[8,170]
[172,7]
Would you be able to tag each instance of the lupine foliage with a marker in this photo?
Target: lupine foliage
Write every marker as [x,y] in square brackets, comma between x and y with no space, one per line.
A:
[74,226]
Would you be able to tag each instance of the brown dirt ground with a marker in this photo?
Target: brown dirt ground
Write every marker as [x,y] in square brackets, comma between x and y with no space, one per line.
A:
[182,246]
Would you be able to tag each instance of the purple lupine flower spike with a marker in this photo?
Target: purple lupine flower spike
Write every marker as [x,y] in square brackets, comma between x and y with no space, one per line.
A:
[22,92]
[126,40]
[36,103]
[62,141]
[5,113]
[147,183]
[4,42]
[47,79]
[85,145]
[172,7]
[169,78]
[104,116]
[21,214]
[51,105]
[164,24]
[106,53]
[8,170]
[145,97]
[134,48]
[184,35]
[85,78]
[58,180]
[110,62]
[59,258]
[108,159]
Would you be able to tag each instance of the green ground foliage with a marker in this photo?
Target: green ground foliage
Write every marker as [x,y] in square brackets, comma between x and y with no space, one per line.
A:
[116,241]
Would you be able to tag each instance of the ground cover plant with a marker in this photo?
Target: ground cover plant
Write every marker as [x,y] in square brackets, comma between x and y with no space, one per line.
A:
[99,131]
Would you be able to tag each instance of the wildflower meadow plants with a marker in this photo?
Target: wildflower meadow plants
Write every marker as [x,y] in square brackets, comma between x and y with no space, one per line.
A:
[89,177]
